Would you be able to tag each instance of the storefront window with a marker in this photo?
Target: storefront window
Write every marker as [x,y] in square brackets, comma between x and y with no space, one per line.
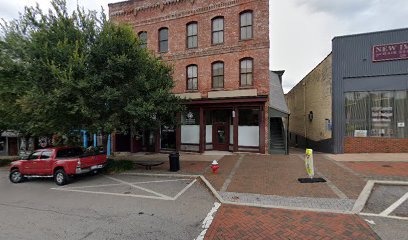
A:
[382,114]
[401,114]
[357,105]
[190,127]
[376,114]
[167,138]
[248,129]
[249,117]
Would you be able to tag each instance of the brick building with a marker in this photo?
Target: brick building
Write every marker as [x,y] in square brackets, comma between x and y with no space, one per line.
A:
[356,100]
[220,54]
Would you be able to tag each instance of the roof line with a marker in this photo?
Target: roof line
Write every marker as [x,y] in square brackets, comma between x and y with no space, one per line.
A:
[368,33]
[310,72]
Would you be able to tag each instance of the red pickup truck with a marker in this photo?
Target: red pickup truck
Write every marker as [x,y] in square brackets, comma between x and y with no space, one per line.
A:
[59,162]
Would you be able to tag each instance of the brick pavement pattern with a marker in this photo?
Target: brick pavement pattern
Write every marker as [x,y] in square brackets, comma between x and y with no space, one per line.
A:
[226,164]
[276,175]
[238,222]
[379,168]
[345,180]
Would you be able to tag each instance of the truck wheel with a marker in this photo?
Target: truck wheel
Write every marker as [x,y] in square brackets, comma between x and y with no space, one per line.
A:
[60,177]
[16,176]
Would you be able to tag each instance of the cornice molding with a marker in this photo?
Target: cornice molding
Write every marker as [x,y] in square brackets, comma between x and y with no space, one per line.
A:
[175,15]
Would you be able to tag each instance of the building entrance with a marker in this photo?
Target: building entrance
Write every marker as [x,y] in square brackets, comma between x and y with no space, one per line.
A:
[220,137]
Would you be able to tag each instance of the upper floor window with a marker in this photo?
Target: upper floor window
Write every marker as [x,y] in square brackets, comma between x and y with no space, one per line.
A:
[218,30]
[218,75]
[245,23]
[192,77]
[192,32]
[246,72]
[163,40]
[143,39]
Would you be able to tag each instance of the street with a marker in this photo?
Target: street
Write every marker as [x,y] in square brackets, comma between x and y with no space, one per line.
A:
[119,209]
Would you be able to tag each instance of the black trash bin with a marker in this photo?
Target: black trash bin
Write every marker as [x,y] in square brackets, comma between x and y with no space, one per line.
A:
[174,159]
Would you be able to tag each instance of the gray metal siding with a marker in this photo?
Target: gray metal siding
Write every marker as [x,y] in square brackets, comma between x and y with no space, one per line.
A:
[354,70]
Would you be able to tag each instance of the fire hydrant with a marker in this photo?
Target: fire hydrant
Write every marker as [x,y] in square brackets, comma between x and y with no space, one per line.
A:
[214,166]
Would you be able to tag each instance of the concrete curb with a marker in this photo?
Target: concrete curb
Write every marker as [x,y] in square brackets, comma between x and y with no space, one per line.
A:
[222,201]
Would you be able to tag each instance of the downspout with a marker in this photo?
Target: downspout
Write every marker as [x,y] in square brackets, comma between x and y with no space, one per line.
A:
[304,112]
[287,136]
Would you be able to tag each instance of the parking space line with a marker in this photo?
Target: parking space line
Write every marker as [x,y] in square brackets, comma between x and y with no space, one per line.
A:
[118,184]
[391,208]
[184,189]
[113,194]
[377,215]
[138,187]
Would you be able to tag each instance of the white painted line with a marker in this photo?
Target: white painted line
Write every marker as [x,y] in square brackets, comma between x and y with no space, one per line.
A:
[208,220]
[138,187]
[365,194]
[90,186]
[391,208]
[363,197]
[184,189]
[163,175]
[118,184]
[112,194]
[377,215]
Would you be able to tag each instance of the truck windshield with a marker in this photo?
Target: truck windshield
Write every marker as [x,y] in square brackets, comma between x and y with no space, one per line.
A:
[69,153]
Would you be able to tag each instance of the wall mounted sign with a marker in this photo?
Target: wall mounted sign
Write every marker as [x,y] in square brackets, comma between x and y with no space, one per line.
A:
[389,52]
[360,133]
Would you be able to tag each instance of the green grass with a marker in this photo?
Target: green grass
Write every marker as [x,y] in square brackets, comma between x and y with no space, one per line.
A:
[4,162]
[118,166]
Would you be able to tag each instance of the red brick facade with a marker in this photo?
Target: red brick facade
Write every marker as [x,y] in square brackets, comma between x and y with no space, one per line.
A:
[152,15]
[375,145]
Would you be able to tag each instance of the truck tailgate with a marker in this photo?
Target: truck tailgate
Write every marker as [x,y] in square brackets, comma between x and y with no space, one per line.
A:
[93,160]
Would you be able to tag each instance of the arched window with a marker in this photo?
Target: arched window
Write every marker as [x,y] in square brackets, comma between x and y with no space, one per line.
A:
[192,35]
[142,38]
[218,75]
[217,30]
[245,23]
[192,77]
[163,40]
[246,72]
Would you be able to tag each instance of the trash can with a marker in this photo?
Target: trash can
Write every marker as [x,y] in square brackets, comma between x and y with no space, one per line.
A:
[174,159]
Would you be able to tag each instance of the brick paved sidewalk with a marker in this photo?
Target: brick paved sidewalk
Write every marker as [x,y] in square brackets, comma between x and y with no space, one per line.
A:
[373,169]
[238,222]
[278,174]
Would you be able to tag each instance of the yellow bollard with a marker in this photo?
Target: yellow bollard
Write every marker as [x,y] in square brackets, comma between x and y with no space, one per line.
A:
[309,162]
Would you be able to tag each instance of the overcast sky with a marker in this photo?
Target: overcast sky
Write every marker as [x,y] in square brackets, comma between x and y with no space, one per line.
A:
[300,30]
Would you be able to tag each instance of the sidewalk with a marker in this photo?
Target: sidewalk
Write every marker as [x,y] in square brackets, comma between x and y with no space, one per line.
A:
[287,209]
[239,222]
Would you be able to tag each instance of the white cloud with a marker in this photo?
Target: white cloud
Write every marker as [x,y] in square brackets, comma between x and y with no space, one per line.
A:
[302,30]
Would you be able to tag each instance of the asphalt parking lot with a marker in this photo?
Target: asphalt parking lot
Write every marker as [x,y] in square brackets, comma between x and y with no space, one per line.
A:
[121,206]
[386,210]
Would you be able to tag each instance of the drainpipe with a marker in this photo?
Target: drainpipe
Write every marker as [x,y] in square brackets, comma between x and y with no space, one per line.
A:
[287,136]
[304,111]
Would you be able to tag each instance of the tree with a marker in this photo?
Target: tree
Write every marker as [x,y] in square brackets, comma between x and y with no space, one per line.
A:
[61,72]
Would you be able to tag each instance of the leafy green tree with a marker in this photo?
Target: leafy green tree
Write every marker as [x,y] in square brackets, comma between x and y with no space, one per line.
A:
[61,72]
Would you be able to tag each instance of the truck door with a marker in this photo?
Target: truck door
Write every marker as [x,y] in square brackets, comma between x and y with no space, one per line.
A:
[44,165]
[29,165]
